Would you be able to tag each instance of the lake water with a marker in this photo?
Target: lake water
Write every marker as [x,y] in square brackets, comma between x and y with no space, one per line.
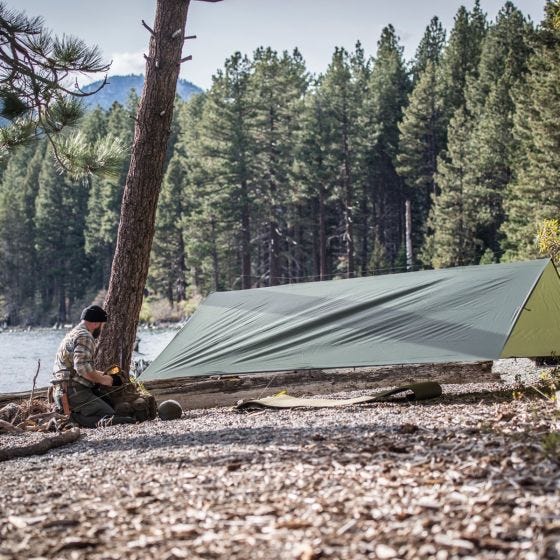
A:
[21,350]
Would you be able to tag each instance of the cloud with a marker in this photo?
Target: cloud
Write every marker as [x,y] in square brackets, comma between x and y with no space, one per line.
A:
[127,63]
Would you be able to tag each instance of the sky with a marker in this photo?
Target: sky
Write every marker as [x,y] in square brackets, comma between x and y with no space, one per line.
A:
[316,27]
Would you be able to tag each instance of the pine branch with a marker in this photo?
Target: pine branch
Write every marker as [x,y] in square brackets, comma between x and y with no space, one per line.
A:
[34,72]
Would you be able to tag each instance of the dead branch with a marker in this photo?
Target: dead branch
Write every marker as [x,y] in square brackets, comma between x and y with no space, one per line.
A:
[148,28]
[189,37]
[7,428]
[47,416]
[186,58]
[34,383]
[42,446]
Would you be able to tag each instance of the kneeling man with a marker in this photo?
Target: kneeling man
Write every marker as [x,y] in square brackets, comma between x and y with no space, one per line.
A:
[75,378]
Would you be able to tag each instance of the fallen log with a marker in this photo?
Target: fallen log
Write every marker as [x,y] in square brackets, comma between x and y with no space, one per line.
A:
[41,446]
[227,390]
[18,398]
[209,392]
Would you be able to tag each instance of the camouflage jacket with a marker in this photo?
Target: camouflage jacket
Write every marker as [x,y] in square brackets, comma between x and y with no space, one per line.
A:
[74,357]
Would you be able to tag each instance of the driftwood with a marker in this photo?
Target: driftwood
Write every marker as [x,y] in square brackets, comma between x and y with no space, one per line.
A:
[17,398]
[7,428]
[208,392]
[41,446]
[9,412]
[227,390]
[46,416]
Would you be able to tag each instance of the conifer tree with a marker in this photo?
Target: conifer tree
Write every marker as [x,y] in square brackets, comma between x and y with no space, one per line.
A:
[388,90]
[457,212]
[168,264]
[460,58]
[60,216]
[421,140]
[533,196]
[429,50]
[490,105]
[487,163]
[338,98]
[278,84]
[222,188]
[106,192]
[18,267]
[363,169]
[35,70]
[314,172]
[147,164]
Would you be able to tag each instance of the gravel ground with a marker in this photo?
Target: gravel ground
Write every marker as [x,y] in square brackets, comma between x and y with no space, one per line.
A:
[462,476]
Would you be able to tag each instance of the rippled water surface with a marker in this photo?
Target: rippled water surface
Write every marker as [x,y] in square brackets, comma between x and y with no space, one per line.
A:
[20,352]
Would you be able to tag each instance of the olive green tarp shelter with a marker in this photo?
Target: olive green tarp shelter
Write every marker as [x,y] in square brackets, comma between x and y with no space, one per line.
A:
[459,314]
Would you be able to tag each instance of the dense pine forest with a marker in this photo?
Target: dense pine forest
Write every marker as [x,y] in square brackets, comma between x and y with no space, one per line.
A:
[275,175]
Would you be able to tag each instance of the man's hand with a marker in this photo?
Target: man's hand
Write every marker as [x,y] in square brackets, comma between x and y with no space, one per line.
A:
[100,378]
[106,380]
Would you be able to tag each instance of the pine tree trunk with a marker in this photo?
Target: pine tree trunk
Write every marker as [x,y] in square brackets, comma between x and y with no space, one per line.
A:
[273,256]
[214,253]
[322,235]
[143,182]
[408,222]
[181,284]
[348,217]
[245,239]
[61,302]
[364,241]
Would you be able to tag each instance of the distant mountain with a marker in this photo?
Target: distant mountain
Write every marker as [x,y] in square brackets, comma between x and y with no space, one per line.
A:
[118,89]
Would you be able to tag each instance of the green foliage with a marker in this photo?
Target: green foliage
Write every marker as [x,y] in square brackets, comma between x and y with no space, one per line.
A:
[421,141]
[460,58]
[82,158]
[549,238]
[274,176]
[546,387]
[35,70]
[457,211]
[477,169]
[533,195]
[387,93]
[430,49]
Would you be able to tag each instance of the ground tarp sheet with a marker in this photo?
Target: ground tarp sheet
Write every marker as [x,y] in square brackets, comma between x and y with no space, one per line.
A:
[415,392]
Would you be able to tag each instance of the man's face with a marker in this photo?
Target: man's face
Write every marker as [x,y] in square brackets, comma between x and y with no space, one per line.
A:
[97,330]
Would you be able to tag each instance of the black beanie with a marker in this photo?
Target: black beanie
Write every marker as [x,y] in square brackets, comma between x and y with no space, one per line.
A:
[95,314]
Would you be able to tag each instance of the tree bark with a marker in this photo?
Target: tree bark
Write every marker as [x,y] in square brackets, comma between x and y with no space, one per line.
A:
[322,234]
[408,230]
[214,254]
[273,254]
[142,187]
[348,205]
[245,238]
